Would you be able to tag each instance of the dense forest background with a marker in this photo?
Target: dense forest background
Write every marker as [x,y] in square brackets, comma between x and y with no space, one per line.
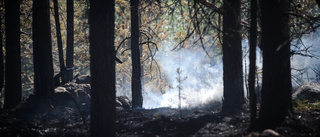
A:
[160,23]
[160,27]
[183,54]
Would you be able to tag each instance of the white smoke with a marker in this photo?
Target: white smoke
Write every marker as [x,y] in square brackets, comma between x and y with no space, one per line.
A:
[203,84]
[246,63]
[204,74]
[298,62]
[306,63]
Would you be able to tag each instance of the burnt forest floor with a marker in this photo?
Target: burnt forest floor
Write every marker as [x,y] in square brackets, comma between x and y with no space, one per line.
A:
[68,122]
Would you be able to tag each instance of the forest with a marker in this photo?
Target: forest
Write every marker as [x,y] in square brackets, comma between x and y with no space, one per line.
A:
[105,68]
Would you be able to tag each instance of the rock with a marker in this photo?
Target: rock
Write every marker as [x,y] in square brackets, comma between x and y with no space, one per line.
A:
[83,79]
[124,102]
[253,134]
[265,133]
[270,132]
[308,91]
[118,103]
[78,95]
[227,119]
[82,93]
[62,97]
[60,89]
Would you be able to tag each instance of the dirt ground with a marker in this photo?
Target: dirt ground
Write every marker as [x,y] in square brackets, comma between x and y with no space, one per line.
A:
[68,122]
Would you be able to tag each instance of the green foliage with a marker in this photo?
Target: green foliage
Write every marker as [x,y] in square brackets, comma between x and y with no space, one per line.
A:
[305,105]
[81,42]
[152,32]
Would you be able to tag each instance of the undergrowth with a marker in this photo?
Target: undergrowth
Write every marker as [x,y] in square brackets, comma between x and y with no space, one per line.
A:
[306,105]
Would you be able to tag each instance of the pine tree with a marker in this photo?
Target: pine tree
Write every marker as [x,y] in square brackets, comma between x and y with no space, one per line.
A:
[42,52]
[13,60]
[135,56]
[276,79]
[70,40]
[233,92]
[102,67]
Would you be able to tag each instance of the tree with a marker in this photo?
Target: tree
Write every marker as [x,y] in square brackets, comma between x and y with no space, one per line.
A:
[276,82]
[59,41]
[42,52]
[1,50]
[318,2]
[135,56]
[102,67]
[70,40]
[252,69]
[232,56]
[13,65]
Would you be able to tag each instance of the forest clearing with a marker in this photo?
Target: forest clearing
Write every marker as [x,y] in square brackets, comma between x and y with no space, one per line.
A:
[105,68]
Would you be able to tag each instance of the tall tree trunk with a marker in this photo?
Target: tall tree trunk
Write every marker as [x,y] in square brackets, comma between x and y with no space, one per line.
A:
[59,41]
[252,71]
[42,52]
[232,57]
[1,51]
[102,67]
[318,2]
[276,81]
[13,60]
[141,56]
[135,56]
[70,40]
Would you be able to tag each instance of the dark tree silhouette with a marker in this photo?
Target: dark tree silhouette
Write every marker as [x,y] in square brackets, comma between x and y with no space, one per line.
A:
[276,82]
[1,50]
[42,52]
[70,40]
[252,69]
[59,41]
[232,57]
[135,56]
[13,60]
[318,2]
[102,67]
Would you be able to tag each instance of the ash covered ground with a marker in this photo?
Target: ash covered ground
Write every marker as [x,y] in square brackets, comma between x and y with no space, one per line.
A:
[66,121]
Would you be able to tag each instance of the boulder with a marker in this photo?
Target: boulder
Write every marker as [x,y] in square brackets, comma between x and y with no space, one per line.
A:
[308,91]
[78,95]
[62,97]
[83,79]
[124,102]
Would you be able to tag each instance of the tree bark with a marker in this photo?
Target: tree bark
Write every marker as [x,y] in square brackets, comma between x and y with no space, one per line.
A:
[70,40]
[59,41]
[13,60]
[1,51]
[141,56]
[252,71]
[102,67]
[232,57]
[42,52]
[276,81]
[135,56]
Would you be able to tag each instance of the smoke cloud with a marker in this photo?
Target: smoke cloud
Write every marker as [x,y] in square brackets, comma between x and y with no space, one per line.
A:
[308,45]
[203,81]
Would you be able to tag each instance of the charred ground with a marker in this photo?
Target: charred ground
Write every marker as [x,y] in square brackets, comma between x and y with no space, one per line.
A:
[67,121]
